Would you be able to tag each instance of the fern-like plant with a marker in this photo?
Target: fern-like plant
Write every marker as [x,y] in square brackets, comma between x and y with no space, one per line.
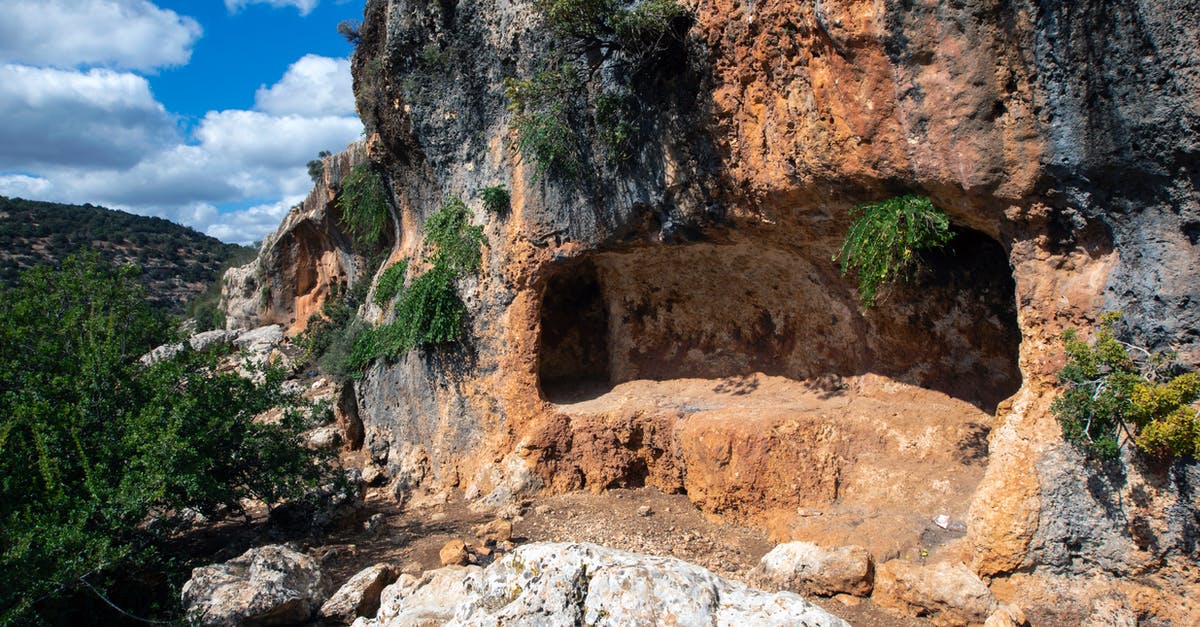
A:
[363,203]
[882,243]
[390,282]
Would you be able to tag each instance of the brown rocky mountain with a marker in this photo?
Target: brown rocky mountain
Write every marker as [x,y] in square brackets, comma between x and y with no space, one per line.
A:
[673,318]
[178,263]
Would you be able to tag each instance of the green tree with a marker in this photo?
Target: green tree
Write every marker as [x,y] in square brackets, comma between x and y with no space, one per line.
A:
[1115,391]
[98,451]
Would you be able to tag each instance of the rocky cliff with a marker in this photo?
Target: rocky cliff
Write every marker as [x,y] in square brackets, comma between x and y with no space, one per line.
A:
[673,318]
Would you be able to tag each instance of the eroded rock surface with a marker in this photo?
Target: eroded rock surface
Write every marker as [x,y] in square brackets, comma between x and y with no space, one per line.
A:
[570,584]
[269,585]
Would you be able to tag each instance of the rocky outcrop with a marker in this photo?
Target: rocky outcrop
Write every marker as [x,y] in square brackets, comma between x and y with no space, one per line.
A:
[269,585]
[806,568]
[625,320]
[309,256]
[950,594]
[360,595]
[572,584]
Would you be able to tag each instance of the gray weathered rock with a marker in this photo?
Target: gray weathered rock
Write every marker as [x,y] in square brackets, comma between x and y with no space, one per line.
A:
[806,568]
[260,340]
[570,584]
[360,595]
[201,341]
[268,585]
[950,594]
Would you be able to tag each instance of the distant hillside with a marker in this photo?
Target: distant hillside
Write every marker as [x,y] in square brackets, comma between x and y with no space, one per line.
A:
[178,262]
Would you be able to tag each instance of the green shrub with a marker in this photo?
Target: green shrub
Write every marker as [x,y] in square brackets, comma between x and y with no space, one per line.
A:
[1110,395]
[429,311]
[390,282]
[364,205]
[539,106]
[496,199]
[613,115]
[97,451]
[884,238]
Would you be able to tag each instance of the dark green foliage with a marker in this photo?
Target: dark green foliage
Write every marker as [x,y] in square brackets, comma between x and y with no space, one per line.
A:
[429,311]
[177,261]
[883,241]
[541,120]
[350,30]
[364,205]
[1115,391]
[613,115]
[390,282]
[640,30]
[496,199]
[97,452]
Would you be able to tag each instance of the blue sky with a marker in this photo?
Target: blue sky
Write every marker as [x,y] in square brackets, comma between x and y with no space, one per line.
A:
[203,111]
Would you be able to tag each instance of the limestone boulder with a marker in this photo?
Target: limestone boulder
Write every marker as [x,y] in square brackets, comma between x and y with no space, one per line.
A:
[807,568]
[950,594]
[268,585]
[570,584]
[360,595]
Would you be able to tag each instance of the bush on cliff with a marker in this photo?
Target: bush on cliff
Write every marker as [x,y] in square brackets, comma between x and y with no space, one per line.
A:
[429,311]
[363,203]
[883,241]
[1116,391]
[100,454]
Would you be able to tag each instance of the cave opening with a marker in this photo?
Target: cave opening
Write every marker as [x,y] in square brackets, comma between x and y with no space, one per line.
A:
[573,351]
[724,311]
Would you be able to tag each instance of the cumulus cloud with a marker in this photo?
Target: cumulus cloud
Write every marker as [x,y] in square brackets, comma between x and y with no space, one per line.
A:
[125,34]
[313,86]
[64,117]
[303,5]
[250,225]
[98,135]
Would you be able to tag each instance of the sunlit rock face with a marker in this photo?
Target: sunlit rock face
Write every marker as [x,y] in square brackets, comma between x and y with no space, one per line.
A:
[676,319]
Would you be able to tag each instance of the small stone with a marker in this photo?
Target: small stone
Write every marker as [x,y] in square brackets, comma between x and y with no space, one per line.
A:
[483,551]
[644,510]
[373,475]
[360,595]
[498,530]
[373,524]
[413,568]
[942,520]
[505,546]
[542,510]
[437,516]
[949,593]
[454,553]
[1007,615]
[848,600]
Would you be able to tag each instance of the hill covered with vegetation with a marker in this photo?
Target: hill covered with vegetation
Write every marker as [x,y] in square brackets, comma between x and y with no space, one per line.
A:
[178,263]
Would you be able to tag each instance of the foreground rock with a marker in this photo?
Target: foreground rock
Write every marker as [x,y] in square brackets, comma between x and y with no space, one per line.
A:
[269,585]
[360,595]
[950,594]
[806,568]
[570,584]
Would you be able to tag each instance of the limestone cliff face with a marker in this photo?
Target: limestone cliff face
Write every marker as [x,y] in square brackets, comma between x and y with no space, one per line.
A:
[307,256]
[1063,138]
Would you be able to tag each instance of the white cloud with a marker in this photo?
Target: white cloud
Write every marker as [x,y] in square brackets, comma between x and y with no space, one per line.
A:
[63,117]
[251,224]
[99,136]
[129,34]
[303,5]
[313,86]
